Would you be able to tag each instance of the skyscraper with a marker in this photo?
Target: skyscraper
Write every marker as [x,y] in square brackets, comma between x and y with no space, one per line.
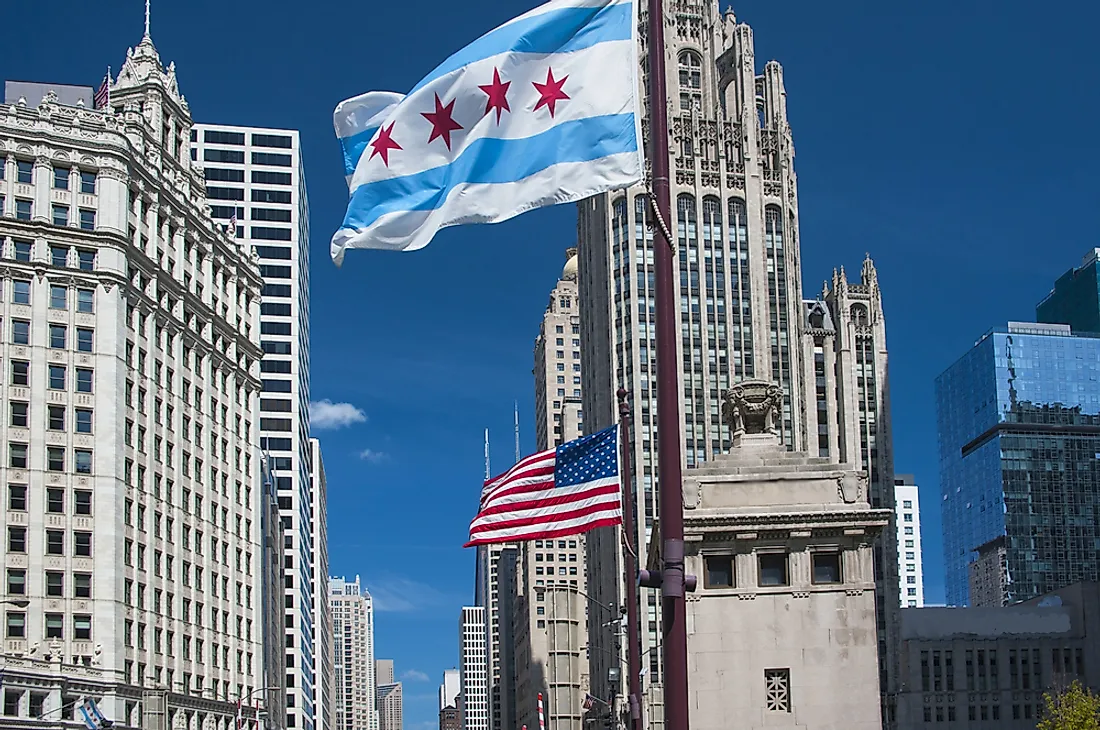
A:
[1075,298]
[907,520]
[550,632]
[390,709]
[354,699]
[255,182]
[1019,430]
[130,360]
[741,310]
[473,667]
[322,611]
[450,689]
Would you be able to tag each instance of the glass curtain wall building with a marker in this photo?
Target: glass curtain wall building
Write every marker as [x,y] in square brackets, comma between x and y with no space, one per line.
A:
[1019,435]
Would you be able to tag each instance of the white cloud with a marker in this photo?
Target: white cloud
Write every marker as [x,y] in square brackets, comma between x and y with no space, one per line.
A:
[401,595]
[324,414]
[373,456]
[414,675]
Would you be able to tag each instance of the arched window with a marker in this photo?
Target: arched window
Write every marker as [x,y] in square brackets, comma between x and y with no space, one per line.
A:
[691,81]
[859,314]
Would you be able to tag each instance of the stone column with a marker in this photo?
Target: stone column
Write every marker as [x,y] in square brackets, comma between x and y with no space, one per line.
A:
[112,195]
[43,182]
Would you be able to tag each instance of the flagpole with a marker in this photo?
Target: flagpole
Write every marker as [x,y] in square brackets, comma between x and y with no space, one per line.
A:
[630,566]
[671,511]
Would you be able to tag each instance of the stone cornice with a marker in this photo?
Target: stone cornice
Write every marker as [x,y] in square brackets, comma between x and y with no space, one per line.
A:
[711,521]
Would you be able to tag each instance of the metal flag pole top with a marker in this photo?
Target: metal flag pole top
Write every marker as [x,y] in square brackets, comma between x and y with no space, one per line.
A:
[671,516]
[630,565]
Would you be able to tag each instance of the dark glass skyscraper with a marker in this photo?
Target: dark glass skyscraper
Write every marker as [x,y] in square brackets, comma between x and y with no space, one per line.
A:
[1019,439]
[1075,299]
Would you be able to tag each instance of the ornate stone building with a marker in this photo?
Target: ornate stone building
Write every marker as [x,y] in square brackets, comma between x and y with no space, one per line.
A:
[130,359]
[741,310]
[781,629]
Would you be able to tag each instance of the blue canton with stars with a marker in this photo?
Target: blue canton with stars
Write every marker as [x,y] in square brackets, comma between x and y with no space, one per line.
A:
[588,458]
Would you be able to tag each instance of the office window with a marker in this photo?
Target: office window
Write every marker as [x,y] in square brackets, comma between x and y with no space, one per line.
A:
[59,297]
[82,627]
[719,571]
[23,251]
[57,377]
[55,542]
[83,420]
[235,157]
[23,209]
[82,585]
[54,625]
[773,569]
[224,174]
[17,456]
[55,458]
[82,544]
[20,414]
[17,497]
[82,502]
[270,140]
[83,460]
[24,172]
[56,418]
[17,539]
[85,259]
[85,300]
[87,219]
[87,183]
[17,629]
[218,137]
[61,178]
[21,292]
[58,336]
[84,339]
[55,500]
[84,380]
[55,584]
[826,567]
[60,215]
[17,582]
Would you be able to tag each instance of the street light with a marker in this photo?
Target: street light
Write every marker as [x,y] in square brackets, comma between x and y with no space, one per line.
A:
[17,602]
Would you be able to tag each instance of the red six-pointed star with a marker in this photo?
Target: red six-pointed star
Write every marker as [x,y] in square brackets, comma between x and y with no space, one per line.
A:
[442,121]
[550,93]
[383,143]
[497,93]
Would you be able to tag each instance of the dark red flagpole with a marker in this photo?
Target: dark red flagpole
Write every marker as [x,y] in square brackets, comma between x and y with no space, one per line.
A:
[671,514]
[630,568]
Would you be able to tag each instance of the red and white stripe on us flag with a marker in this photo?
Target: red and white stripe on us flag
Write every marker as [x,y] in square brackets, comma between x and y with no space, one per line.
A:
[523,504]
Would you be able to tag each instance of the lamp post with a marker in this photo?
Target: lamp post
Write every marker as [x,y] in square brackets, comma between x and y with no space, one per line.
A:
[17,602]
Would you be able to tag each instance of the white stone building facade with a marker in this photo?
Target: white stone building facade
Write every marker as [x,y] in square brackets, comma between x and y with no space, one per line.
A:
[322,613]
[473,667]
[256,176]
[354,698]
[907,521]
[131,381]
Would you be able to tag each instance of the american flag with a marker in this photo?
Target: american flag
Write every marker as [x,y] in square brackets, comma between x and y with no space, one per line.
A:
[564,491]
[102,97]
[589,700]
[232,229]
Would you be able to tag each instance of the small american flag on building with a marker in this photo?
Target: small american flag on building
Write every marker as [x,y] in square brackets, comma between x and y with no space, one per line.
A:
[232,228]
[564,491]
[102,97]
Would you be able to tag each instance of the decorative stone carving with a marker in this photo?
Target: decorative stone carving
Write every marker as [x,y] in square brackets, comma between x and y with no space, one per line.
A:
[752,407]
[852,486]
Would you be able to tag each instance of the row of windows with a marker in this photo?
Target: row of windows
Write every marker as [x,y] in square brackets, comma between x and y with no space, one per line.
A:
[220,193]
[55,500]
[56,420]
[213,136]
[57,376]
[59,295]
[62,176]
[236,157]
[232,174]
[55,542]
[55,584]
[55,458]
[54,626]
[24,211]
[772,569]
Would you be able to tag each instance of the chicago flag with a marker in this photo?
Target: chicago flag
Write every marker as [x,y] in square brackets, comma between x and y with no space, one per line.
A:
[540,111]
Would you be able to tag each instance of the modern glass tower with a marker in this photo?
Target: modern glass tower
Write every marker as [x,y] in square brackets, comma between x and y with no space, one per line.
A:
[1019,435]
[1075,299]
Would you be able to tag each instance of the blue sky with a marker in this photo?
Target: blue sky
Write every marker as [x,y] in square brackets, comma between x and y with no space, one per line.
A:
[952,139]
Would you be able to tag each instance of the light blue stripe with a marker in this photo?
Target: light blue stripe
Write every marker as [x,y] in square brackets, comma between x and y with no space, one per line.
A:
[353,147]
[493,160]
[556,31]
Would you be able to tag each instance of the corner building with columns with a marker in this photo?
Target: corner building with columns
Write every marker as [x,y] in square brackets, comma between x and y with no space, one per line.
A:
[738,285]
[130,357]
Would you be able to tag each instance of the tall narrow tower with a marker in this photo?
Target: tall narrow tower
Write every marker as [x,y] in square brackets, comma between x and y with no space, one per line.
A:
[738,285]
